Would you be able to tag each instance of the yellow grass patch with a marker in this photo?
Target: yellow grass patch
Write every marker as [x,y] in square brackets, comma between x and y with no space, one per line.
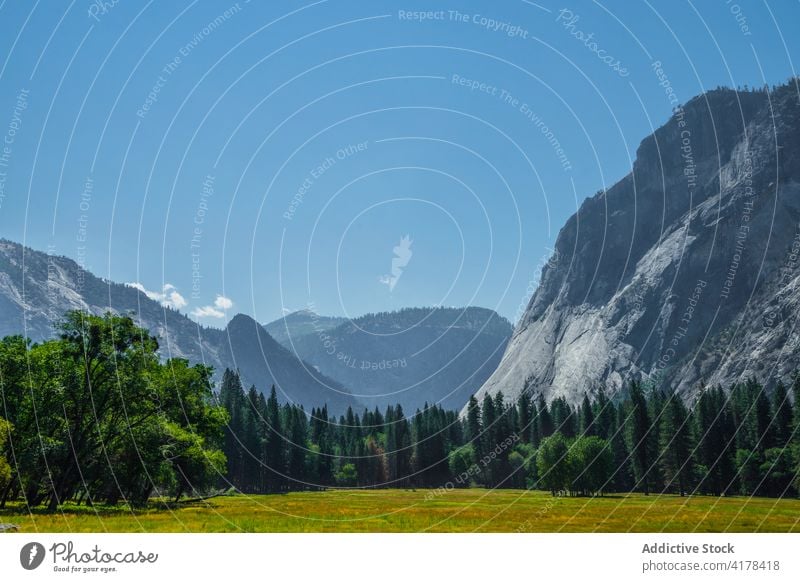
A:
[396,510]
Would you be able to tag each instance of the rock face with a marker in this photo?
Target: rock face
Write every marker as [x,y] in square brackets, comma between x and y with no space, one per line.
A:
[410,357]
[36,289]
[684,271]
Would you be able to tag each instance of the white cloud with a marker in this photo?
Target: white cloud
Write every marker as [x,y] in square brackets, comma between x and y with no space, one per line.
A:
[168,297]
[222,302]
[208,311]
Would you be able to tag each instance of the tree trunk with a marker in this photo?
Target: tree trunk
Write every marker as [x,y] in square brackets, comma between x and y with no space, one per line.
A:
[53,502]
[5,494]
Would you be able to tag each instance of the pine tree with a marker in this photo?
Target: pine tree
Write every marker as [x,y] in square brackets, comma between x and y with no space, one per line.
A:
[325,442]
[455,432]
[231,396]
[501,469]
[544,420]
[675,446]
[726,430]
[623,476]
[488,418]
[796,416]
[604,415]
[704,417]
[716,442]
[563,417]
[404,446]
[274,454]
[250,439]
[535,437]
[391,446]
[639,440]
[782,423]
[742,410]
[419,436]
[295,433]
[525,417]
[587,421]
[763,419]
[656,407]
[473,425]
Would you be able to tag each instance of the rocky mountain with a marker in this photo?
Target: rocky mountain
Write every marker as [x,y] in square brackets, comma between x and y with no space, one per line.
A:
[411,356]
[37,288]
[686,270]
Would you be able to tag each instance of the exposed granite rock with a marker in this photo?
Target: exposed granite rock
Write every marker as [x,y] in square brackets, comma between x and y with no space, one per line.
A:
[685,270]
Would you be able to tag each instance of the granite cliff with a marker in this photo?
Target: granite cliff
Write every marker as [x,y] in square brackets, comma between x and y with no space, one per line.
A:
[686,270]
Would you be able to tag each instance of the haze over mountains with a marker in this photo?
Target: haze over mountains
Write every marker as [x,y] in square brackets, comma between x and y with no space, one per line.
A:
[685,270]
[411,356]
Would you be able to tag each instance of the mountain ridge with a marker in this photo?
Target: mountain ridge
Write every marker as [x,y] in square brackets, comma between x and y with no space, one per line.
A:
[411,356]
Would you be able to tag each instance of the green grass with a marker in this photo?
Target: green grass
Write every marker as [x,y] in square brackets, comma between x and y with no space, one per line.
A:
[465,510]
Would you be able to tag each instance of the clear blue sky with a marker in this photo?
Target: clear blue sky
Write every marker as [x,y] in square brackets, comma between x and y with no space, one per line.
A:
[194,191]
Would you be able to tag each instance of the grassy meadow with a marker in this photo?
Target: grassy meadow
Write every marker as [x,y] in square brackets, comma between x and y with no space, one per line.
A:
[395,510]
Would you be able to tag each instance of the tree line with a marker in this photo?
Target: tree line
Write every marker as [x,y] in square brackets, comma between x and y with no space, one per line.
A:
[739,441]
[94,416]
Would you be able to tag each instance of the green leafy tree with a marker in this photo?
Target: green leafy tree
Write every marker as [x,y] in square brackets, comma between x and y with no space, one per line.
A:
[592,464]
[777,472]
[552,464]
[16,394]
[100,418]
[5,467]
[347,476]
[462,466]
[523,462]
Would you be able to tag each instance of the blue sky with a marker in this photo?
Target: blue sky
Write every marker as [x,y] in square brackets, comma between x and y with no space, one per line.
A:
[262,157]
